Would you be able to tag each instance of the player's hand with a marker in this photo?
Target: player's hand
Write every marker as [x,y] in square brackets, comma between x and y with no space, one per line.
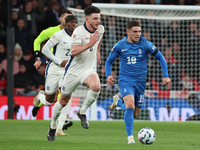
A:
[94,38]
[63,63]
[37,63]
[110,80]
[167,81]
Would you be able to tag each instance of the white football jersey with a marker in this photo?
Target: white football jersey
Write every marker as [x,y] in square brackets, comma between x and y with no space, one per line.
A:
[61,50]
[85,60]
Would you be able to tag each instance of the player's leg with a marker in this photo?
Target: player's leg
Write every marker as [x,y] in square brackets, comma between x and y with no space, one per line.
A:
[56,113]
[46,98]
[93,83]
[63,124]
[117,101]
[128,117]
[127,92]
[69,85]
[41,99]
[136,112]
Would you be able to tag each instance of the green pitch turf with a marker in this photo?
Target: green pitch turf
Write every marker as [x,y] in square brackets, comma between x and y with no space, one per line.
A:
[102,135]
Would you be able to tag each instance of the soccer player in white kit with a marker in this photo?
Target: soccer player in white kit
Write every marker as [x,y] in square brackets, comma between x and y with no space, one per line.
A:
[86,42]
[61,43]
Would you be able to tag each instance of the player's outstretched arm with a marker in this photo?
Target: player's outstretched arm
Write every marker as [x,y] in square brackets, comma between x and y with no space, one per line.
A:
[167,81]
[77,49]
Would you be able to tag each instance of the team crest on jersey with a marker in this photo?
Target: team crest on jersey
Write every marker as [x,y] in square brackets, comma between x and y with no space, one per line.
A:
[139,53]
[53,37]
[153,47]
[74,36]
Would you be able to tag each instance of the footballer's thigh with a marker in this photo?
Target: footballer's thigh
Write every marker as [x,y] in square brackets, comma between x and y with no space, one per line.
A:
[91,80]
[51,86]
[70,83]
[139,97]
[127,93]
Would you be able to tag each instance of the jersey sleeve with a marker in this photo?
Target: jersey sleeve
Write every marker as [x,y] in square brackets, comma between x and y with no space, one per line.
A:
[114,53]
[55,39]
[77,37]
[47,48]
[43,36]
[149,47]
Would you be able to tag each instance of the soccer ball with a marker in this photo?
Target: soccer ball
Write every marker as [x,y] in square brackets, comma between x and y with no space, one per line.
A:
[146,136]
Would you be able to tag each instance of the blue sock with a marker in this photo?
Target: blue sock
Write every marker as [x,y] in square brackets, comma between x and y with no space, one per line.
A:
[121,104]
[129,121]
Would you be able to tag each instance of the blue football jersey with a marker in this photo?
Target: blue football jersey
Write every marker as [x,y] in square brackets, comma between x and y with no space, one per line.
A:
[133,58]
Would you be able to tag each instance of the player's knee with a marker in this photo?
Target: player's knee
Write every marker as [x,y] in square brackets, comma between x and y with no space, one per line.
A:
[63,103]
[96,88]
[64,100]
[130,105]
[50,98]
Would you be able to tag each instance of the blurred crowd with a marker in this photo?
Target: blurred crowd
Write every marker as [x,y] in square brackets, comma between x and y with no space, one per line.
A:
[30,17]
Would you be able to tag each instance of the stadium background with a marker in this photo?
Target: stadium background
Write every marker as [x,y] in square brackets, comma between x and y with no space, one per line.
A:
[175,33]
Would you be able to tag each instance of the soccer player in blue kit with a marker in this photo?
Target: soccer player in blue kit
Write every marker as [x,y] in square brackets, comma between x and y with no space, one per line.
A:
[133,51]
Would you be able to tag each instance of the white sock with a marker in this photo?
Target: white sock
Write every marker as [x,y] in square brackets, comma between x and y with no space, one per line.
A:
[56,112]
[130,137]
[90,98]
[61,121]
[63,116]
[42,99]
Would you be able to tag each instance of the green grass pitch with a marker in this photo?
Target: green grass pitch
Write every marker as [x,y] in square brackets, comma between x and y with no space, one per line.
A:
[102,135]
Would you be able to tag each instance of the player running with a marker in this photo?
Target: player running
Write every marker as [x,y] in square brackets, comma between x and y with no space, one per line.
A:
[133,51]
[86,42]
[61,44]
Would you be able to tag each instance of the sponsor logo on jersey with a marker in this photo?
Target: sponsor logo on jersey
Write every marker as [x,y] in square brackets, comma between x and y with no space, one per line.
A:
[153,47]
[87,38]
[124,89]
[64,42]
[74,36]
[123,50]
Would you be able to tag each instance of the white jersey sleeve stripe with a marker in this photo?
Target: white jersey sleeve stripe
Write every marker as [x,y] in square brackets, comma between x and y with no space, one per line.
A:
[76,43]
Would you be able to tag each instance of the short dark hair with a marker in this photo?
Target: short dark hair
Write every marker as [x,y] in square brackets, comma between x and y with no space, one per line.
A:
[90,10]
[65,11]
[131,24]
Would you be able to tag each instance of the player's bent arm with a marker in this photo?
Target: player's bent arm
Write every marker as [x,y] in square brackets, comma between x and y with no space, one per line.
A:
[77,49]
[41,38]
[46,50]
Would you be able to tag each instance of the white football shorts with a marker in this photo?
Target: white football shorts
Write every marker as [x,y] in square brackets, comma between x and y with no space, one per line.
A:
[70,81]
[52,83]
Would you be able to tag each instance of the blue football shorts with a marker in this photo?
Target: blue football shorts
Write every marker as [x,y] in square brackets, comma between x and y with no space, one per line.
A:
[132,88]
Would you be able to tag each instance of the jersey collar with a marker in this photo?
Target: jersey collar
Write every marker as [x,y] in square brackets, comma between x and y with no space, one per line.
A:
[67,32]
[87,28]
